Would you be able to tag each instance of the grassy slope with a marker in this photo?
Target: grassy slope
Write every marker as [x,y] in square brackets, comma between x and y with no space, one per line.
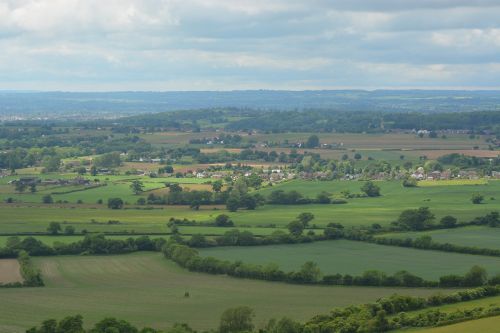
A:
[350,257]
[146,289]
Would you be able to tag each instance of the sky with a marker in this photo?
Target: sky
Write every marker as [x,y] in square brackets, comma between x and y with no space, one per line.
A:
[95,45]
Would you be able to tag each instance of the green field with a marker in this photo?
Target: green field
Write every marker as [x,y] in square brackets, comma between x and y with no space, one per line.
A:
[484,325]
[351,257]
[146,289]
[442,200]
[483,237]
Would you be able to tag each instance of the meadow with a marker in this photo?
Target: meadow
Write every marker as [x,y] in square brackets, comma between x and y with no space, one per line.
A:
[484,325]
[477,236]
[351,257]
[94,286]
[442,200]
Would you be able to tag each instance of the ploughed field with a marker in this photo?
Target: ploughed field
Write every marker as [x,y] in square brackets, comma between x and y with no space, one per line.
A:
[148,290]
[354,258]
[9,271]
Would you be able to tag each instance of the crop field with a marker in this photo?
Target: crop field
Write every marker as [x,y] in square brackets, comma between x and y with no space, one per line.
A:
[453,182]
[351,257]
[484,237]
[157,287]
[9,271]
[484,325]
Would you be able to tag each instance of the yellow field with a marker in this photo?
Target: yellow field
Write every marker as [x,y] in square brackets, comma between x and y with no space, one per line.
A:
[427,183]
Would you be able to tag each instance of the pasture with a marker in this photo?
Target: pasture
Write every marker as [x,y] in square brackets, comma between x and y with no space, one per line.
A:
[484,325]
[9,271]
[351,257]
[477,236]
[442,200]
[94,287]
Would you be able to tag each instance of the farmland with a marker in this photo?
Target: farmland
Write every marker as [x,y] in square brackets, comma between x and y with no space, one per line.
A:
[485,325]
[354,258]
[483,237]
[32,216]
[232,211]
[9,271]
[157,287]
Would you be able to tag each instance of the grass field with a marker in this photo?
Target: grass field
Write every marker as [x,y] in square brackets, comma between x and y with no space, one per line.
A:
[9,271]
[484,237]
[350,257]
[118,286]
[442,200]
[484,325]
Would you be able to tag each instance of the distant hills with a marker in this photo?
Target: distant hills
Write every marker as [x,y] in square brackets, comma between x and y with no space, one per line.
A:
[87,105]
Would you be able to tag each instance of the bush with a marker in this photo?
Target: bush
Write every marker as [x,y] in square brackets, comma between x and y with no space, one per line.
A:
[115,203]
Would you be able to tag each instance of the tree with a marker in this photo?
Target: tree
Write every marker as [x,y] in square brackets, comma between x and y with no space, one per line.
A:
[93,170]
[357,156]
[284,325]
[305,218]
[33,187]
[248,201]
[370,189]
[174,187]
[115,203]
[312,142]
[310,272]
[223,220]
[232,204]
[410,182]
[415,219]
[137,187]
[323,198]
[237,320]
[51,163]
[448,221]
[217,186]
[47,199]
[69,230]
[20,186]
[81,170]
[475,277]
[54,228]
[295,228]
[477,198]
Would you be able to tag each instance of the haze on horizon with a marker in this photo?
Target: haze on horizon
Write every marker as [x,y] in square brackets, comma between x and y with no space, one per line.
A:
[91,45]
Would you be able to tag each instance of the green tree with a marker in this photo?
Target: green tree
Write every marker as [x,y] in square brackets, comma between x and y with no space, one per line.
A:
[54,228]
[33,187]
[370,189]
[477,276]
[312,141]
[305,218]
[47,199]
[223,220]
[115,203]
[448,221]
[137,187]
[217,186]
[477,198]
[69,230]
[20,186]
[310,272]
[232,204]
[295,228]
[415,219]
[237,320]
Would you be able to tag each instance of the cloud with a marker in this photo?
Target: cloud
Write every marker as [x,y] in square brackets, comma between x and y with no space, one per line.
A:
[228,44]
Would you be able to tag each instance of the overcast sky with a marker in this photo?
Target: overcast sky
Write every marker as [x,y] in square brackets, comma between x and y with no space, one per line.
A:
[248,44]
